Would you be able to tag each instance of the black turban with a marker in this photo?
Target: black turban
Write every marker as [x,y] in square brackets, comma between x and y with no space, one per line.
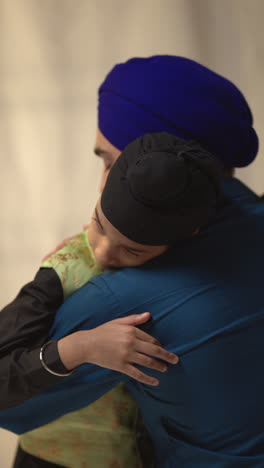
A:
[161,189]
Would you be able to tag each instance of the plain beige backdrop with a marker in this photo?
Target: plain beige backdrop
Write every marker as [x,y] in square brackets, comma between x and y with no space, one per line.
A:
[53,56]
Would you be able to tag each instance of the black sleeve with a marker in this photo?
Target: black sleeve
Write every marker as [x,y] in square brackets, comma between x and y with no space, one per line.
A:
[24,328]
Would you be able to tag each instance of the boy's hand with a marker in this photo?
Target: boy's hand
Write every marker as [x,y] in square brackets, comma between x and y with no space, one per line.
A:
[62,244]
[118,345]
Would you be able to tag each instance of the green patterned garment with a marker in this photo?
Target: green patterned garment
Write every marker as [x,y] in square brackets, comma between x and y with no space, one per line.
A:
[74,263]
[104,434]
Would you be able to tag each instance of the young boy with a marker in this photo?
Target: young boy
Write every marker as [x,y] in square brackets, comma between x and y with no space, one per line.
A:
[162,190]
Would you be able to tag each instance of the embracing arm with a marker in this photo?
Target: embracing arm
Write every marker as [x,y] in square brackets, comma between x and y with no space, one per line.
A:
[107,349]
[24,328]
[117,345]
[25,324]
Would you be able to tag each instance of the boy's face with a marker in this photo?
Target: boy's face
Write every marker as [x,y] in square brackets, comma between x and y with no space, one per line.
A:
[112,249]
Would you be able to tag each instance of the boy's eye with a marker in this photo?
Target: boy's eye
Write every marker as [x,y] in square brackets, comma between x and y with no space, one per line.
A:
[97,223]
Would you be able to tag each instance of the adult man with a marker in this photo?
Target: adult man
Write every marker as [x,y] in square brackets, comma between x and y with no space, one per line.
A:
[207,411]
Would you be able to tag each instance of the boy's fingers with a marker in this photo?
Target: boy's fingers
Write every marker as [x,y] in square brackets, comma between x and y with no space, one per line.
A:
[133,319]
[140,376]
[142,318]
[143,336]
[149,362]
[156,351]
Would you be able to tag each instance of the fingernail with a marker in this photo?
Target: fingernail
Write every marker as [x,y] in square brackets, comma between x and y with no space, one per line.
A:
[175,359]
[155,382]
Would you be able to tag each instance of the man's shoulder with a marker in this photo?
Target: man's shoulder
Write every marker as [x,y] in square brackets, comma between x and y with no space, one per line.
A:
[215,260]
[195,272]
[174,274]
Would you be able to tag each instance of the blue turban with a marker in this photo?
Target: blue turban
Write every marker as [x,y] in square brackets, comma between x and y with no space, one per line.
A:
[177,95]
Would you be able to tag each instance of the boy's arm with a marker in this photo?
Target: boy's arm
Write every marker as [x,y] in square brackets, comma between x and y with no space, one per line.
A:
[25,325]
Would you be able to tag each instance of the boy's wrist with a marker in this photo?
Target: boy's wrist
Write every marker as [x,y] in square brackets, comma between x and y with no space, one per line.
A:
[72,350]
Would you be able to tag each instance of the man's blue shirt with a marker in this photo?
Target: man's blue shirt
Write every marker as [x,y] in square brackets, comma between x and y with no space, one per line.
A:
[207,305]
